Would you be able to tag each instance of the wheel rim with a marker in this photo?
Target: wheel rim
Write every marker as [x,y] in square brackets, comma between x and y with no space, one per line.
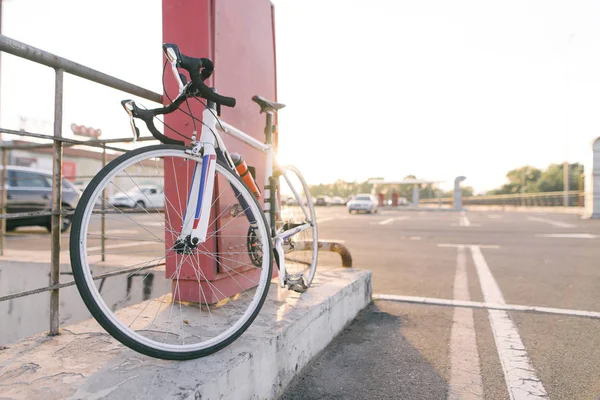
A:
[301,251]
[146,322]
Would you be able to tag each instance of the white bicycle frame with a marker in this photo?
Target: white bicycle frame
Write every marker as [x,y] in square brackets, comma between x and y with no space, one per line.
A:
[195,220]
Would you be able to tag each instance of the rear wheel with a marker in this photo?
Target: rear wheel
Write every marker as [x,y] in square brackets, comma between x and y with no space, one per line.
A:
[152,294]
[302,249]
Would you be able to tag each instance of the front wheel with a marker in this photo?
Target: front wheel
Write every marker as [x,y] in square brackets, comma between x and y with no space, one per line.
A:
[148,291]
[302,249]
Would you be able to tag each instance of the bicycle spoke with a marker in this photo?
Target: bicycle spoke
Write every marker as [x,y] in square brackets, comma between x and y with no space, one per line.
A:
[162,296]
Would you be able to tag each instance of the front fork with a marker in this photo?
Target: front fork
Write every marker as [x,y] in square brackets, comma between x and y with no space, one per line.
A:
[197,212]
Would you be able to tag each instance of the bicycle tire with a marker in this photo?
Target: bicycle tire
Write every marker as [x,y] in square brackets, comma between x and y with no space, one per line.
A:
[108,318]
[297,254]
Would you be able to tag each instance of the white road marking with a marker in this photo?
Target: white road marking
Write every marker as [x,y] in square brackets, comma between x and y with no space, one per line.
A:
[569,235]
[319,221]
[487,306]
[415,238]
[118,246]
[481,246]
[390,220]
[153,224]
[113,232]
[471,225]
[551,222]
[494,216]
[464,221]
[465,375]
[521,379]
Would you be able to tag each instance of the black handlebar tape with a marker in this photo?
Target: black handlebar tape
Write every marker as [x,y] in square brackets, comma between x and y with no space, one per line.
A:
[148,117]
[210,95]
[192,64]
[200,69]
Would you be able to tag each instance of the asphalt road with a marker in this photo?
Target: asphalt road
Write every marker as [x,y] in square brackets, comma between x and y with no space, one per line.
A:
[399,350]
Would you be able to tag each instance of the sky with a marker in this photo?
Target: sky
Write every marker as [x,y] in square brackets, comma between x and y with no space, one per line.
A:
[432,88]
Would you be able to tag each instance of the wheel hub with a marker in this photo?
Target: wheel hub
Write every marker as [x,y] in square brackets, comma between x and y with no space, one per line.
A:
[186,246]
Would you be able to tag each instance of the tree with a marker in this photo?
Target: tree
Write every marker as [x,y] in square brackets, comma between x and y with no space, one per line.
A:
[529,179]
[552,179]
[523,179]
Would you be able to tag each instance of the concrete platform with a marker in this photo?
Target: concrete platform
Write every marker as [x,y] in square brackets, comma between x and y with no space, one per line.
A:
[86,363]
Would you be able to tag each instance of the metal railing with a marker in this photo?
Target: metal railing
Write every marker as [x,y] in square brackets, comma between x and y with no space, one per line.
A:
[576,198]
[61,66]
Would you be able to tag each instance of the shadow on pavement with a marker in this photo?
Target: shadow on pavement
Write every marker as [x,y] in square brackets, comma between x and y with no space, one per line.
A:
[370,359]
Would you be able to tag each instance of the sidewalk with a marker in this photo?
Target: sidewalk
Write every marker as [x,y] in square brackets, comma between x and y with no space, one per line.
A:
[86,363]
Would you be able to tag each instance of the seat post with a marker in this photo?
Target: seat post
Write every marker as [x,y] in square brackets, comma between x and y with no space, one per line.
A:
[269,128]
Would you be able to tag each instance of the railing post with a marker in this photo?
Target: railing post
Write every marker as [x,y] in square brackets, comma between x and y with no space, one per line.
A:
[3,198]
[103,217]
[56,206]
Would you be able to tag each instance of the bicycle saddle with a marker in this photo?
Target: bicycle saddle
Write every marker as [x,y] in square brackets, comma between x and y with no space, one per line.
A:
[267,105]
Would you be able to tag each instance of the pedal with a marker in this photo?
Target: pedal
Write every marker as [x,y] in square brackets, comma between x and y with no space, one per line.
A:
[296,284]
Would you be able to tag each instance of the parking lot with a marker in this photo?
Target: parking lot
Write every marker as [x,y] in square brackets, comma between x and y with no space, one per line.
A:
[398,349]
[413,351]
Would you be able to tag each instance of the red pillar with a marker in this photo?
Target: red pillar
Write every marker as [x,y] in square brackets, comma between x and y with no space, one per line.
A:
[239,36]
[381,198]
[394,199]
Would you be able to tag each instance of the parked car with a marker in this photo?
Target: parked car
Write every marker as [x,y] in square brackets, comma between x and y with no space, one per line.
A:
[143,196]
[363,202]
[30,189]
[337,201]
[289,200]
[81,184]
[323,201]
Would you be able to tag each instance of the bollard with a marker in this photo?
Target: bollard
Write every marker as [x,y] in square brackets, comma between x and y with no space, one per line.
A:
[592,182]
[458,204]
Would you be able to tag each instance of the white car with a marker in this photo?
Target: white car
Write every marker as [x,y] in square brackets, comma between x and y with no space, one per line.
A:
[363,202]
[144,196]
[337,201]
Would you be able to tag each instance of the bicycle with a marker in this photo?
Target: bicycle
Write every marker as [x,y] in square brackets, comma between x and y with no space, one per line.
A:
[211,240]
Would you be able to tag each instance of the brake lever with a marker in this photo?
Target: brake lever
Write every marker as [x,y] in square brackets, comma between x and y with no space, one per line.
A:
[129,107]
[172,57]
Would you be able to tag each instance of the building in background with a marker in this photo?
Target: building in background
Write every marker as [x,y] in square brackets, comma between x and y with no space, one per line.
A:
[80,165]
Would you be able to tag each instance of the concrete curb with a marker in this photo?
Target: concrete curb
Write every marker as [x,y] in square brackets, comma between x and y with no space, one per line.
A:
[539,209]
[549,210]
[85,363]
